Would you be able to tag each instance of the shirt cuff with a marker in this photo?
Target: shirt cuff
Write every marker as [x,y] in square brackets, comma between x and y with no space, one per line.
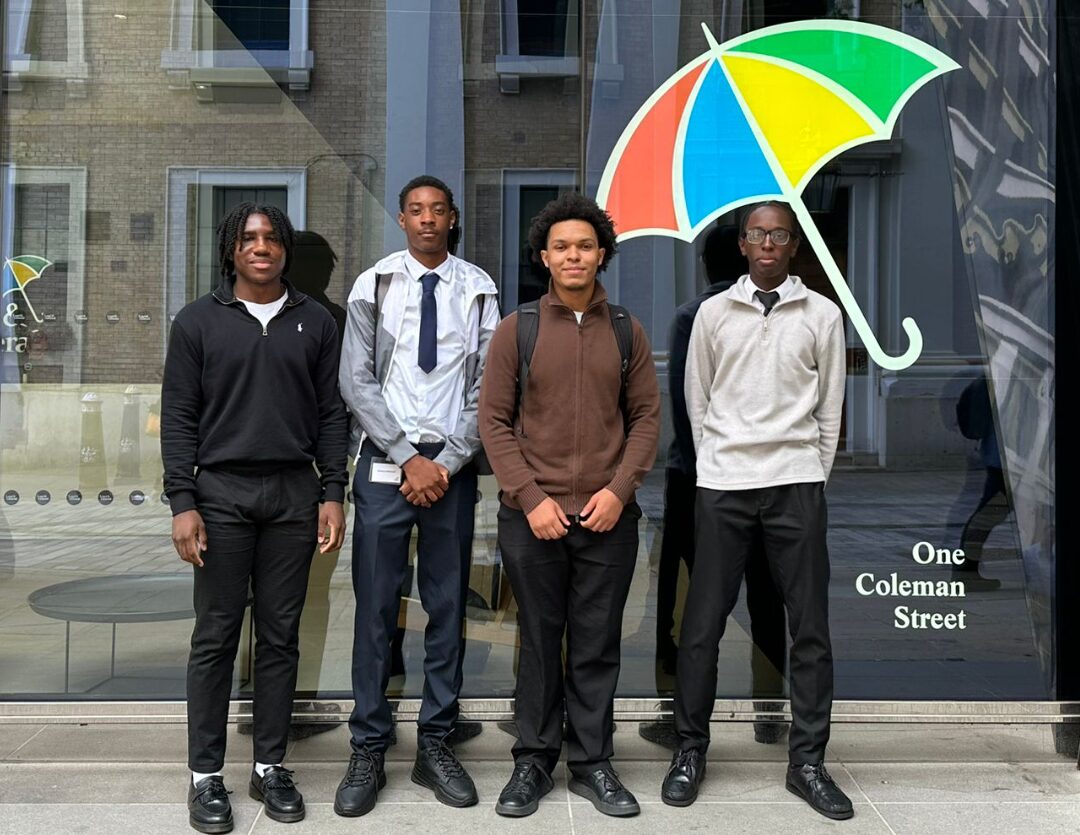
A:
[181,501]
[334,492]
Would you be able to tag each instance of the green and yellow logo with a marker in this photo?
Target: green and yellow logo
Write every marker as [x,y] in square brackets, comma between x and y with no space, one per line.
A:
[23,269]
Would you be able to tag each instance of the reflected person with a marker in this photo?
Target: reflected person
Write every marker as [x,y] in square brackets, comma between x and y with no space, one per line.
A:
[723,263]
[765,393]
[419,325]
[249,403]
[570,445]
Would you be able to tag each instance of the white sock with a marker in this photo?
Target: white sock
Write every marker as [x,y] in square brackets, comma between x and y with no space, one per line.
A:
[196,776]
[260,768]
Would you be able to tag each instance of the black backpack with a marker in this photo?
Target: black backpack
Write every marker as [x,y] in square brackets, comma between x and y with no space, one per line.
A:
[528,326]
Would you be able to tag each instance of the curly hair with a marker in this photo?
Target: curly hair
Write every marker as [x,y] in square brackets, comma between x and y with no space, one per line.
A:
[427,181]
[232,227]
[744,216]
[573,206]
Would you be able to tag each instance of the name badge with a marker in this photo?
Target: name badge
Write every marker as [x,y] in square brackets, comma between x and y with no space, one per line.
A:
[384,472]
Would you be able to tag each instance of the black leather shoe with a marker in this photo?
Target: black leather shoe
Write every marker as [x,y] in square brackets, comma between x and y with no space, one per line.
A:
[683,778]
[208,805]
[463,731]
[813,784]
[278,795]
[522,794]
[438,769]
[359,788]
[606,792]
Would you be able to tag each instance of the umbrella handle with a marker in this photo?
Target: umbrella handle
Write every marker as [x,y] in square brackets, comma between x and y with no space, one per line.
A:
[851,305]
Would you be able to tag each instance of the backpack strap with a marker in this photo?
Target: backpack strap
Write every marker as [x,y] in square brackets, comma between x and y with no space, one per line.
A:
[624,336]
[528,326]
[382,285]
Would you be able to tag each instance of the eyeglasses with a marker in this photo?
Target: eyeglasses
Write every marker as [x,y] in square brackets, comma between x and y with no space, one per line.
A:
[756,235]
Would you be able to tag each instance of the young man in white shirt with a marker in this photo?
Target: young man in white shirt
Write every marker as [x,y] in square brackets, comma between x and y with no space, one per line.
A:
[418,328]
[764,392]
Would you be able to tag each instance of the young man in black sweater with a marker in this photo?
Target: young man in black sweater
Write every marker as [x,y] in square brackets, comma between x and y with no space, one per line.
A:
[249,404]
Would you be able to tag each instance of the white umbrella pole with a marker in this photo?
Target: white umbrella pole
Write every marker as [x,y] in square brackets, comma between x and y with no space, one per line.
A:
[858,320]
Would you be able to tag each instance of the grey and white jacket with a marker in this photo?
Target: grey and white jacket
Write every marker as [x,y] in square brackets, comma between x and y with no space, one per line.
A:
[369,352]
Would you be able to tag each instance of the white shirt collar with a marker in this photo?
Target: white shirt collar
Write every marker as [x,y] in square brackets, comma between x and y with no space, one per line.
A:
[749,288]
[416,270]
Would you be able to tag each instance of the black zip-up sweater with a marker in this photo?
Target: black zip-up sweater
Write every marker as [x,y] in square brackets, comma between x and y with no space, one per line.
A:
[238,397]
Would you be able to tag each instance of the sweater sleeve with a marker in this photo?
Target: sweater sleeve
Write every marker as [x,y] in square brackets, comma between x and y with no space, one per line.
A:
[700,370]
[832,368]
[181,407]
[331,449]
[643,419]
[498,401]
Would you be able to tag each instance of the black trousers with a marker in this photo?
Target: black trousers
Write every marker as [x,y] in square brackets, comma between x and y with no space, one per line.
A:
[575,586]
[763,601]
[381,535]
[792,522]
[260,534]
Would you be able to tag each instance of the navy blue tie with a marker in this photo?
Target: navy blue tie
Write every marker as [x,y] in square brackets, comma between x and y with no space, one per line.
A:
[427,355]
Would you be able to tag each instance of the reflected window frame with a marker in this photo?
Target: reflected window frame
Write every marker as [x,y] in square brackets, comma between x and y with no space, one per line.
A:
[21,65]
[191,67]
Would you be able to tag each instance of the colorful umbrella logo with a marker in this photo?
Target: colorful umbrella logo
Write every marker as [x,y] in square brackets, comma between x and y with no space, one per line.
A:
[24,269]
[754,119]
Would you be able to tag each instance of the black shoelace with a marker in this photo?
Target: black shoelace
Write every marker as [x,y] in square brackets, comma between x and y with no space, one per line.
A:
[684,759]
[213,790]
[818,772]
[278,778]
[445,761]
[520,778]
[361,769]
[610,781]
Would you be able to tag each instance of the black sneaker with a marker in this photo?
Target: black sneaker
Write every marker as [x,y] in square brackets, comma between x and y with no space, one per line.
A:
[359,788]
[278,795]
[522,794]
[463,731]
[813,784]
[683,778]
[438,768]
[606,792]
[208,805]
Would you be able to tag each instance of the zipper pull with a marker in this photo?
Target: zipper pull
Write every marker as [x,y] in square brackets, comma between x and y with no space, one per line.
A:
[264,331]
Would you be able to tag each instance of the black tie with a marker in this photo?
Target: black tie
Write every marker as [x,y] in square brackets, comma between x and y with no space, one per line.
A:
[768,299]
[427,355]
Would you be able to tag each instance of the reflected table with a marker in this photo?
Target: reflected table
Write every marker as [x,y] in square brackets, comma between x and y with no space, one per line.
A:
[121,598]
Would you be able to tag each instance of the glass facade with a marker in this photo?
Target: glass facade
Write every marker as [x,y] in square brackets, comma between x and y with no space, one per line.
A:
[128,130]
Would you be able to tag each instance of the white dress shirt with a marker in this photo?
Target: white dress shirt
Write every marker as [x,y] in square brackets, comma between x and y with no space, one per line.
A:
[427,406]
[748,288]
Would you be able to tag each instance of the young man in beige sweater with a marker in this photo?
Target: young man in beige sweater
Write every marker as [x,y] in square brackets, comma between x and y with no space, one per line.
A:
[765,392]
[569,450]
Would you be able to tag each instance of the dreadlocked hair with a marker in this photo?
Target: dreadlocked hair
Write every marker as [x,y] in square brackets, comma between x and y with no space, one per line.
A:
[233,224]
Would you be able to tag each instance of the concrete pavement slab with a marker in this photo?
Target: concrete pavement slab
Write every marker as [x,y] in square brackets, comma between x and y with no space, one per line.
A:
[942,743]
[951,783]
[13,737]
[75,819]
[1043,818]
[550,819]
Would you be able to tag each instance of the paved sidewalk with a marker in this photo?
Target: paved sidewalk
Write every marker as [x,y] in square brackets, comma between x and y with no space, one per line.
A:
[903,780]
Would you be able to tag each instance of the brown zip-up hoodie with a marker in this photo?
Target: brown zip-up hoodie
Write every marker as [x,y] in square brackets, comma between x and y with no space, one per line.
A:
[568,441]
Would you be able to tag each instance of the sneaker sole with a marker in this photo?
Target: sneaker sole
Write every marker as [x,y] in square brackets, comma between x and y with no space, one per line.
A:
[521,811]
[212,828]
[280,817]
[440,793]
[380,783]
[836,816]
[582,790]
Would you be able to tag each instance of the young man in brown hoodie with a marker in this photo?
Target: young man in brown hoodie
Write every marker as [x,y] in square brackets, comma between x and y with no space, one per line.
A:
[569,450]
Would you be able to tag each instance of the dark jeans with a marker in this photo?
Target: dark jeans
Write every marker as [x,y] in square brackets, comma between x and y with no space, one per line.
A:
[383,529]
[260,535]
[791,520]
[576,585]
[763,601]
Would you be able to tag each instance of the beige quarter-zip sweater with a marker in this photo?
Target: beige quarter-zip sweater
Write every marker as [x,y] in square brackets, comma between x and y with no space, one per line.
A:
[765,393]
